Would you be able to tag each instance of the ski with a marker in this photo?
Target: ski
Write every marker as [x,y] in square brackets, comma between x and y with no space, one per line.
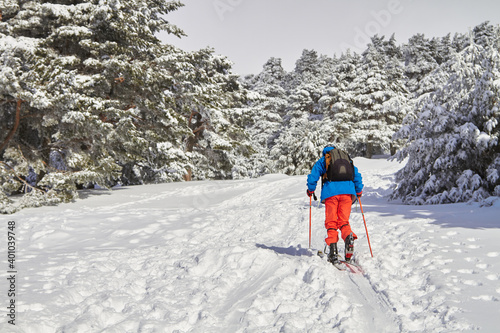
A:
[342,265]
[353,267]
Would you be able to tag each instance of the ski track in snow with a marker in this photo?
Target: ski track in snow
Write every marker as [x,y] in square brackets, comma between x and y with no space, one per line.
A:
[232,256]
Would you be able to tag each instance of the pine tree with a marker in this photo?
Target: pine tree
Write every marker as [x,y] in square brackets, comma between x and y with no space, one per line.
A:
[453,154]
[215,142]
[419,62]
[299,146]
[336,101]
[262,116]
[378,98]
[304,126]
[88,95]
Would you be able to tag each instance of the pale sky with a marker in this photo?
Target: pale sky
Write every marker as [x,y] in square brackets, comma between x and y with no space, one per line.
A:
[249,32]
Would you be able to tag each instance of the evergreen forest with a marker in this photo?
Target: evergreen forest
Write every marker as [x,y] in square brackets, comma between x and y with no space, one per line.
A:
[91,98]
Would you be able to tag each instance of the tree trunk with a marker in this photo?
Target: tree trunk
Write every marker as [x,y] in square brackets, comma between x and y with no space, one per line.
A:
[14,128]
[189,148]
[188,175]
[369,150]
[393,150]
[197,127]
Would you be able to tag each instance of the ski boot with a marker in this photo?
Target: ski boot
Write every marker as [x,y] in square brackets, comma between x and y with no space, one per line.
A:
[349,247]
[333,256]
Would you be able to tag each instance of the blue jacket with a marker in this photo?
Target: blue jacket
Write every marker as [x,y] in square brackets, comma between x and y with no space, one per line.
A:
[331,189]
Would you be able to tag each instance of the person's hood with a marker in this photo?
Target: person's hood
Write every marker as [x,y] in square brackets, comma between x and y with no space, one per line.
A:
[327,149]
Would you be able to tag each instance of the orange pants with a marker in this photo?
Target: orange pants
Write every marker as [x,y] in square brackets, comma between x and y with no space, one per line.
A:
[338,210]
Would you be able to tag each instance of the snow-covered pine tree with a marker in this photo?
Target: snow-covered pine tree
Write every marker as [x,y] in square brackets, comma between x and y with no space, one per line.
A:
[419,62]
[262,115]
[310,69]
[304,127]
[85,94]
[299,146]
[454,154]
[337,103]
[485,34]
[485,114]
[442,49]
[215,144]
[307,68]
[378,98]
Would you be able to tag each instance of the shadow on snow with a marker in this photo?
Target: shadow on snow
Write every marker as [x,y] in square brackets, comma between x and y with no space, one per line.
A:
[461,215]
[291,250]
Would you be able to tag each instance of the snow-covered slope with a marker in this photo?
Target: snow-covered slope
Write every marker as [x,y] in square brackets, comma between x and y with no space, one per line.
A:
[232,256]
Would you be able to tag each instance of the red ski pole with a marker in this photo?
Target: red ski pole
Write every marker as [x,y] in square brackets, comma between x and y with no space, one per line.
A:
[310,219]
[368,237]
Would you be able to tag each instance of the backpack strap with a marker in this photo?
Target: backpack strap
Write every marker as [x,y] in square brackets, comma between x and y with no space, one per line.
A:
[328,160]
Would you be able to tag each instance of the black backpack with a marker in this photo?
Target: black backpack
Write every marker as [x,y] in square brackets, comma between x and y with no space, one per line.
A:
[339,166]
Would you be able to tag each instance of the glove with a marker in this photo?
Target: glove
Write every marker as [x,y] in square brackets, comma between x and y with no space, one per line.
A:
[359,194]
[310,193]
[354,198]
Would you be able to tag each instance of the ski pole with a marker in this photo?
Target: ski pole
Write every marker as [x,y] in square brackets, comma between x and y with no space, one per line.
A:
[310,219]
[368,237]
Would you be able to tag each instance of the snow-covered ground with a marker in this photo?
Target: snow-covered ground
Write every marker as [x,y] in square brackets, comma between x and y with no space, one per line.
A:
[232,256]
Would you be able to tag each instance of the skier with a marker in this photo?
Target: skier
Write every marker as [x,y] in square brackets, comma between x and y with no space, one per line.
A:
[337,193]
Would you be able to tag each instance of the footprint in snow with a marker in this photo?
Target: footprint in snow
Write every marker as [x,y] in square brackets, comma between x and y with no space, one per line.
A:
[466,271]
[485,298]
[473,283]
[492,277]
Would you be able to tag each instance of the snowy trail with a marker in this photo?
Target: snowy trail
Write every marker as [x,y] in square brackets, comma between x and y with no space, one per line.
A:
[231,256]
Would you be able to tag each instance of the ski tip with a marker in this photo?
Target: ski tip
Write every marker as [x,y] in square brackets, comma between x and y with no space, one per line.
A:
[353,267]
